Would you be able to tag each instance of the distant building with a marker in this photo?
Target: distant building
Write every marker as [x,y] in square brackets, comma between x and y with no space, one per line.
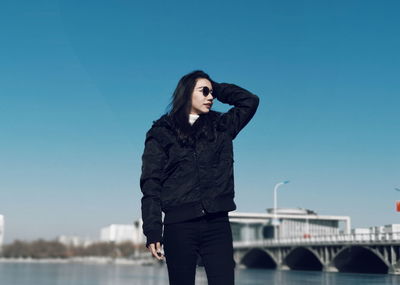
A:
[386,229]
[1,231]
[138,236]
[118,233]
[392,228]
[377,229]
[361,231]
[386,232]
[74,241]
[291,223]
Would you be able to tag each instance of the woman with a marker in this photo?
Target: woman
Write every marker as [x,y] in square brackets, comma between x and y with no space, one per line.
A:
[187,173]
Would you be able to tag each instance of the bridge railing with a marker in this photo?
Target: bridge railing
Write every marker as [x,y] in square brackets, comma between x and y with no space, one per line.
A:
[325,239]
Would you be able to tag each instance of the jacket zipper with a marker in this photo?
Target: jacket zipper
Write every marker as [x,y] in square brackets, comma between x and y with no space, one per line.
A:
[197,167]
[197,172]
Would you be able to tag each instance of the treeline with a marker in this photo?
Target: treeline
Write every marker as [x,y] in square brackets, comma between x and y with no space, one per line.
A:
[54,249]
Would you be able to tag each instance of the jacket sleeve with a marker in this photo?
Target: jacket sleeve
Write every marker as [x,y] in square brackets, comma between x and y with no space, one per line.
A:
[245,106]
[153,160]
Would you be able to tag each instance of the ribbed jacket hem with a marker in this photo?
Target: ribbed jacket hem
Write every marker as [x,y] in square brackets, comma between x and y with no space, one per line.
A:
[198,208]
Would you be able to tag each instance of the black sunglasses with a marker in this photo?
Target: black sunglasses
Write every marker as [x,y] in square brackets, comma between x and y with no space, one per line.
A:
[207,91]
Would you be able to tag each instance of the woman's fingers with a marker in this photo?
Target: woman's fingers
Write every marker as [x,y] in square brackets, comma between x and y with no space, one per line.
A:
[155,249]
[158,249]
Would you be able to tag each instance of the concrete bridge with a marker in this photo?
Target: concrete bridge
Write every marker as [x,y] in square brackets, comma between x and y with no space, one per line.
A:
[358,253]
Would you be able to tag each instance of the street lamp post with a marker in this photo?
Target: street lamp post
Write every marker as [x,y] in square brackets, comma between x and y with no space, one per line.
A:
[275,221]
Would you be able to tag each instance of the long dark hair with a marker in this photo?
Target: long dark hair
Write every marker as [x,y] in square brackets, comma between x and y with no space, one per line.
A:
[179,109]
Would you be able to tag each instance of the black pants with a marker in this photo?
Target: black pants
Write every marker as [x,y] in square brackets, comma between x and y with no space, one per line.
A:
[210,237]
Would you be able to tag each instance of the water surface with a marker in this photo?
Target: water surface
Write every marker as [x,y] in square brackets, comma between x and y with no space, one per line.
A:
[110,274]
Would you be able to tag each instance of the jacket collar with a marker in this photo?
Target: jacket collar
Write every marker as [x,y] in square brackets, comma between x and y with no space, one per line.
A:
[166,120]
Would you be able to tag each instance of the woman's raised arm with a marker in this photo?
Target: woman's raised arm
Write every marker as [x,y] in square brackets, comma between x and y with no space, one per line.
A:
[245,106]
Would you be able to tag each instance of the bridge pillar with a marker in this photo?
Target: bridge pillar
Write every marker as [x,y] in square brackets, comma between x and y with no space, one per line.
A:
[395,270]
[282,267]
[330,268]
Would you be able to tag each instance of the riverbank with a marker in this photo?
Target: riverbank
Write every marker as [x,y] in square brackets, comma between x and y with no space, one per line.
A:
[85,260]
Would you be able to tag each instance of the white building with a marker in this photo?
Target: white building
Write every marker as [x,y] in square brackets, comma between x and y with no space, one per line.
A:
[120,233]
[361,231]
[386,232]
[74,241]
[1,231]
[291,223]
[377,229]
[117,233]
[392,228]
[138,236]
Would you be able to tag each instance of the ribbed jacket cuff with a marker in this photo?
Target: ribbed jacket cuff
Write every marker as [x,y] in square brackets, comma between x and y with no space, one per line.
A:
[153,237]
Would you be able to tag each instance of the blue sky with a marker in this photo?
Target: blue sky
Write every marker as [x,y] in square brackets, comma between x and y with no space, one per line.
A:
[82,81]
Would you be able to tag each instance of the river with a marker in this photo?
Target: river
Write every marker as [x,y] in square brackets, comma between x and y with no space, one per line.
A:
[42,273]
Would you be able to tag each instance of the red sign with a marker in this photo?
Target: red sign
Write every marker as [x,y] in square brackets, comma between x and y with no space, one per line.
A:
[398,206]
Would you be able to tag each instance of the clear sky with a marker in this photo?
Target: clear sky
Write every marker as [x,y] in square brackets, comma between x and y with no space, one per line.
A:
[82,81]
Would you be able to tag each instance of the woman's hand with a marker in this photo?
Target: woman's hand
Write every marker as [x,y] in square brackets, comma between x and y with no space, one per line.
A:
[216,89]
[155,249]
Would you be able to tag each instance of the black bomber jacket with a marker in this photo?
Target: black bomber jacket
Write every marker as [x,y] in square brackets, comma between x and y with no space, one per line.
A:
[185,182]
